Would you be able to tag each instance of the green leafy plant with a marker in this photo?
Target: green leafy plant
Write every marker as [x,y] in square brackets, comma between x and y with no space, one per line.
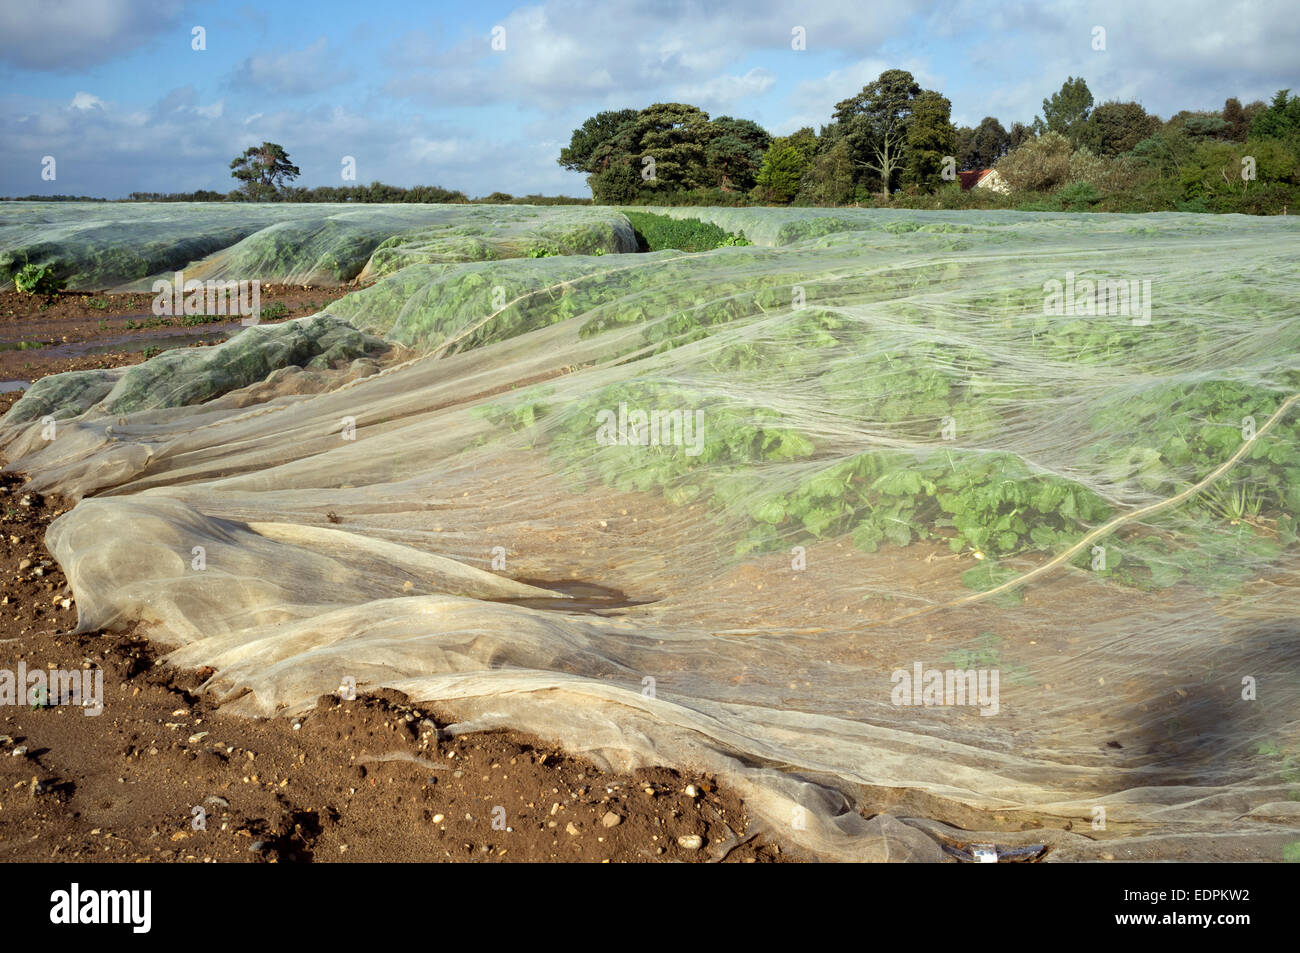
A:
[36,279]
[657,232]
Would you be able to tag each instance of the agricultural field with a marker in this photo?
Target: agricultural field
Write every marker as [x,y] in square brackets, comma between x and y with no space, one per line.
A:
[806,459]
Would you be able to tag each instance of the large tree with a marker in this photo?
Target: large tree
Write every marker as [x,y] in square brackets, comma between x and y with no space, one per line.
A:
[1114,128]
[931,138]
[1067,110]
[630,154]
[1280,120]
[875,124]
[785,163]
[674,136]
[660,148]
[579,155]
[1018,135]
[735,152]
[264,170]
[831,179]
[988,142]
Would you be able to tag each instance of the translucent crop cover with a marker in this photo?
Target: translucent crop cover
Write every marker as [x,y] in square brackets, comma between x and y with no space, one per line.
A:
[919,530]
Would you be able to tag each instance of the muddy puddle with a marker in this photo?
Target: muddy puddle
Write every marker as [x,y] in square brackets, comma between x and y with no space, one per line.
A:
[582,596]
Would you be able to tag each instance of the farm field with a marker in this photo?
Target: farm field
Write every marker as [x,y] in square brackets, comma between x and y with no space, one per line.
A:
[718,511]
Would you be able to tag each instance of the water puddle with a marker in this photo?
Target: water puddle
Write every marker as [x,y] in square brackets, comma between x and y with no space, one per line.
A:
[583,596]
[8,387]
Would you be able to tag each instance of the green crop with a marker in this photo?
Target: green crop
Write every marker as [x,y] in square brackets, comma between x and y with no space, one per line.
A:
[35,279]
[658,232]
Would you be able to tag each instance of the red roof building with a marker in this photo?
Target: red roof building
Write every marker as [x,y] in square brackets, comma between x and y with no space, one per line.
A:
[971,179]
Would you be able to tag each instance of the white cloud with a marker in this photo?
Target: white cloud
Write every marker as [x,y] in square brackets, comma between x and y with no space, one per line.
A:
[622,52]
[439,106]
[812,102]
[75,34]
[293,72]
[721,93]
[84,101]
[1168,57]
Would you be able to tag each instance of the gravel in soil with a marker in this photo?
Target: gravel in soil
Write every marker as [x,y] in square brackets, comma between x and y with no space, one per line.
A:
[161,775]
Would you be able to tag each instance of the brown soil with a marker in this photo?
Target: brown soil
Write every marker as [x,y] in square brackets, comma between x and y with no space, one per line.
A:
[373,779]
[76,331]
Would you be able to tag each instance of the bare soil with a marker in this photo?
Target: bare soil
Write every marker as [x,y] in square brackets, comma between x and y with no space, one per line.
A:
[75,331]
[162,775]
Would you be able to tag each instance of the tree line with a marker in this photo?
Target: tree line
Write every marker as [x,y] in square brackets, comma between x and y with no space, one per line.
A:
[895,143]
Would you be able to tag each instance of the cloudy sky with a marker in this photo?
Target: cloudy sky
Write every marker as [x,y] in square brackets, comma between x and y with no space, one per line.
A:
[115,91]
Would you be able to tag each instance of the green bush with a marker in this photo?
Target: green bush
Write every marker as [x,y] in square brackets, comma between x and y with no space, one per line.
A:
[1078,197]
[38,280]
[657,232]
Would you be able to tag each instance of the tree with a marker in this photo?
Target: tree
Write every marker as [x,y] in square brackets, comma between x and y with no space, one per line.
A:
[735,152]
[579,154]
[830,179]
[1018,135]
[964,147]
[263,170]
[1280,120]
[989,142]
[1239,117]
[1235,118]
[1114,128]
[619,184]
[1206,127]
[1166,151]
[785,163]
[875,124]
[1067,110]
[661,148]
[930,139]
[674,135]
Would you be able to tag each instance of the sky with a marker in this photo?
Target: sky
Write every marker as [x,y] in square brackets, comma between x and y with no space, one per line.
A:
[418,93]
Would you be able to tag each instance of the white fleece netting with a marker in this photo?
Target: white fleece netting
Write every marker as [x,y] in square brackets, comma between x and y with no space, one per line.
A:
[881,405]
[124,247]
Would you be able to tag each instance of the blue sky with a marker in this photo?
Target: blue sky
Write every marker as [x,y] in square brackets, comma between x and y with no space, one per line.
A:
[416,94]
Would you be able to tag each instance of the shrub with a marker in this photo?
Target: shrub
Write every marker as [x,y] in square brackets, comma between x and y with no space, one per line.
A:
[657,232]
[1040,165]
[38,280]
[1078,197]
